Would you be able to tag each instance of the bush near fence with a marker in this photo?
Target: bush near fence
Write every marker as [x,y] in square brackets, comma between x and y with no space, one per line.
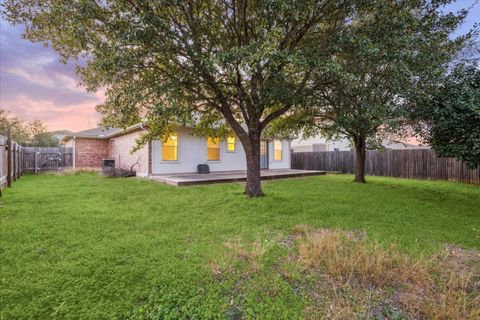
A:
[416,163]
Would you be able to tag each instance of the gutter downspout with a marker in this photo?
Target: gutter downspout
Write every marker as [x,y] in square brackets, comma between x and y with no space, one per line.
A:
[147,162]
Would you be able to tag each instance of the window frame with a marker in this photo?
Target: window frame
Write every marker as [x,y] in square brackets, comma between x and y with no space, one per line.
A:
[274,150]
[234,144]
[219,149]
[176,150]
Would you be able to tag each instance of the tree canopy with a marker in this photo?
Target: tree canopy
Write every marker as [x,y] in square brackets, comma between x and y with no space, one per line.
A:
[207,63]
[343,67]
[450,123]
[27,134]
[390,56]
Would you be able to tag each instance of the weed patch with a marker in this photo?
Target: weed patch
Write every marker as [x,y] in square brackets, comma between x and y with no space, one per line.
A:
[355,277]
[345,275]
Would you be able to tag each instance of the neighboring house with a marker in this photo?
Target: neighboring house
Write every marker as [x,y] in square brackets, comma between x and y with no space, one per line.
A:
[59,134]
[180,154]
[319,143]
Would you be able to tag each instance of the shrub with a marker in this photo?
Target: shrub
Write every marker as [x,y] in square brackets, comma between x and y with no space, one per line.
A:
[118,172]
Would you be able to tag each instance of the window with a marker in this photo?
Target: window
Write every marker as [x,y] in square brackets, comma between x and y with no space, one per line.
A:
[213,149]
[170,148]
[231,143]
[277,150]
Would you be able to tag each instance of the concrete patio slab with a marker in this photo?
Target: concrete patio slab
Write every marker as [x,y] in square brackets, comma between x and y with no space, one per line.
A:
[188,179]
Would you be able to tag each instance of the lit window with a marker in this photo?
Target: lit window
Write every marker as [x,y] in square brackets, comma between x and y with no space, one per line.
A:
[170,148]
[231,144]
[213,149]
[277,150]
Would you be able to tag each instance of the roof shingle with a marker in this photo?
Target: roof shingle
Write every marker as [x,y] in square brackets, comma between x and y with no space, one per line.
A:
[97,132]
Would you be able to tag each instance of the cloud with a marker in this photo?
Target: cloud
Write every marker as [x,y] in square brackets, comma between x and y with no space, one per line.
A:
[34,84]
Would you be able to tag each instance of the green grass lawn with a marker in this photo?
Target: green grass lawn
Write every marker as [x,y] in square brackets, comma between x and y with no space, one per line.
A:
[83,246]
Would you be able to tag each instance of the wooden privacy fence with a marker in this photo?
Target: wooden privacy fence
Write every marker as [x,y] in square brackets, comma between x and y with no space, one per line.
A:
[415,163]
[16,160]
[46,159]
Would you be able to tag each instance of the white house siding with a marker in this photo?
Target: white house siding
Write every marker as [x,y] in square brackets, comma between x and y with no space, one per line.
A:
[285,162]
[120,148]
[319,143]
[192,151]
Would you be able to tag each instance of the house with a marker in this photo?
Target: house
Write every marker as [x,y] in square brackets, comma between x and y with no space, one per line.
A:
[59,134]
[319,143]
[181,153]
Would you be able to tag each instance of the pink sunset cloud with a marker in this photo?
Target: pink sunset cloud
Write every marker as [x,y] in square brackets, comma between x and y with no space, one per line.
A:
[34,84]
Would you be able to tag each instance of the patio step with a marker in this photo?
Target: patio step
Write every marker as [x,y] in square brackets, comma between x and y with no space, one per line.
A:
[188,179]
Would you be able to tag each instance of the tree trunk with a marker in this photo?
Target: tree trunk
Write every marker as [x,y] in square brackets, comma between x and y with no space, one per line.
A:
[253,186]
[360,153]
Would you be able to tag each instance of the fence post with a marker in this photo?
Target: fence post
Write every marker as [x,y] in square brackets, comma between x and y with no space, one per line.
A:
[15,155]
[14,161]
[19,155]
[9,157]
[36,161]
[61,158]
[19,161]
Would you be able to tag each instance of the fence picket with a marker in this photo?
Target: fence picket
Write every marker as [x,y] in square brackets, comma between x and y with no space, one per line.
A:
[16,160]
[417,163]
[46,159]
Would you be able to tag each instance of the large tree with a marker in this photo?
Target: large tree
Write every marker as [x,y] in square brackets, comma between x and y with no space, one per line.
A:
[450,119]
[390,56]
[242,63]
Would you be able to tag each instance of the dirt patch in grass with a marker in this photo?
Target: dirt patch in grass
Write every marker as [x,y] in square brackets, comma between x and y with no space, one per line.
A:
[345,275]
[355,277]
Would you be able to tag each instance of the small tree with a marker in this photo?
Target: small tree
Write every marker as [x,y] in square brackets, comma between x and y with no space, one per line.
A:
[39,136]
[388,56]
[450,120]
[19,132]
[242,63]
[25,133]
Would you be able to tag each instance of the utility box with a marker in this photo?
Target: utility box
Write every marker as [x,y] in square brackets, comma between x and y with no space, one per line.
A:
[203,169]
[108,163]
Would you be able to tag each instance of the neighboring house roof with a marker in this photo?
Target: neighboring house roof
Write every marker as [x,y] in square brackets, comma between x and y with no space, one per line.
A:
[59,134]
[320,143]
[398,145]
[101,133]
[97,132]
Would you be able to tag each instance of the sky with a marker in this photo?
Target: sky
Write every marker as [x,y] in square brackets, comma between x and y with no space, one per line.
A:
[34,84]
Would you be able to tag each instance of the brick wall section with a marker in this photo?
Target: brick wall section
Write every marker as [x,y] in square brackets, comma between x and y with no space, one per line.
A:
[89,153]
